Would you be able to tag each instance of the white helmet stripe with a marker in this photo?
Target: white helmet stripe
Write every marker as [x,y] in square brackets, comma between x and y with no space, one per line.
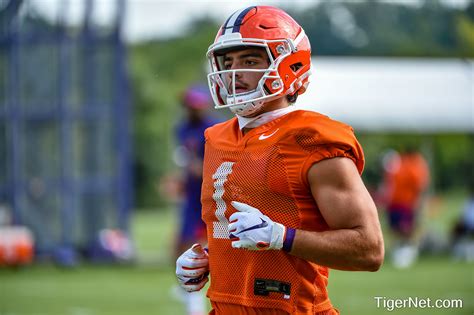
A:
[229,25]
[299,38]
[232,24]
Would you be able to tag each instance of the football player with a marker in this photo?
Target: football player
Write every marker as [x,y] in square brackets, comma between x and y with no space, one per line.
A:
[282,196]
[406,179]
[196,101]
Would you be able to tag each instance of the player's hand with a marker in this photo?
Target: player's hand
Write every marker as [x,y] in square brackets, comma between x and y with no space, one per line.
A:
[251,229]
[192,268]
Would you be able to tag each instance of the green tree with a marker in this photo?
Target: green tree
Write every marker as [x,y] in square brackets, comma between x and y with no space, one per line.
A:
[160,71]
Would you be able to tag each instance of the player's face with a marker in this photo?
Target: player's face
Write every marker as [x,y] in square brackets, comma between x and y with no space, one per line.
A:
[252,58]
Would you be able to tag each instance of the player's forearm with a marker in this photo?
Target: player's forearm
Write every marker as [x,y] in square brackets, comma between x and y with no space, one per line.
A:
[345,249]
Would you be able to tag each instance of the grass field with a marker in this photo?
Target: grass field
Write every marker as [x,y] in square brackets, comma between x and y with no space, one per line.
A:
[146,287]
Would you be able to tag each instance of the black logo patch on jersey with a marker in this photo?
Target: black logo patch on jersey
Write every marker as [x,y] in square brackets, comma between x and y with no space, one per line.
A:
[265,286]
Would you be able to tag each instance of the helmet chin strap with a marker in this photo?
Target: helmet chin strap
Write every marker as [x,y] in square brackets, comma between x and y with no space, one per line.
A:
[247,108]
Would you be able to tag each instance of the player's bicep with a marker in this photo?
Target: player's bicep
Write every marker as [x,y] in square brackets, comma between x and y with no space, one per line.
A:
[341,195]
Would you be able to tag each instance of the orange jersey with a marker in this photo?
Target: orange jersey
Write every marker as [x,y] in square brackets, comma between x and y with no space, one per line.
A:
[267,169]
[407,180]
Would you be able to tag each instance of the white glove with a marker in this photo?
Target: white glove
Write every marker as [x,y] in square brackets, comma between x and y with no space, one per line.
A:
[254,230]
[192,268]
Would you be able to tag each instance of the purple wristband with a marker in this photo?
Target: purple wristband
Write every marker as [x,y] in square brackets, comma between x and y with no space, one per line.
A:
[289,238]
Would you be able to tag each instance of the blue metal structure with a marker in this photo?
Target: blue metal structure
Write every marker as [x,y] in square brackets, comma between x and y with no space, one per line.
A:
[65,144]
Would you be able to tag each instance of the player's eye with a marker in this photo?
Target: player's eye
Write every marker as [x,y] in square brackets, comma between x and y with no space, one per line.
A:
[251,62]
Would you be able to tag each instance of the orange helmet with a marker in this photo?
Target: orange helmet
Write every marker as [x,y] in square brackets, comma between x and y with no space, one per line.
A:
[289,54]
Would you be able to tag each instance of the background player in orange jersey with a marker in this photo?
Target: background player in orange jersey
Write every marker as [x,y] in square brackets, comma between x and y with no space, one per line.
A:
[406,179]
[282,196]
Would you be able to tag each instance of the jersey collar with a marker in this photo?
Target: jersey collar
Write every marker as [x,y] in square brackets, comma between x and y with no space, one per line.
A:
[264,118]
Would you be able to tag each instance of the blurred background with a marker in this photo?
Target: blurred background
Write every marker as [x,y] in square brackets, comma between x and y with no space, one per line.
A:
[94,162]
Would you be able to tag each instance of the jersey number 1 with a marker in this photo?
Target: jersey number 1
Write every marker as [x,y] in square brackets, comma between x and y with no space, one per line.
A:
[220,228]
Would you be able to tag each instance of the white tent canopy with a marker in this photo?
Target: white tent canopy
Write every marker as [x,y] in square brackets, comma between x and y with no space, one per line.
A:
[421,95]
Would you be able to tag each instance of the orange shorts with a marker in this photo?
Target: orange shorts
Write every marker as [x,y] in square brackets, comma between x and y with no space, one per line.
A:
[235,309]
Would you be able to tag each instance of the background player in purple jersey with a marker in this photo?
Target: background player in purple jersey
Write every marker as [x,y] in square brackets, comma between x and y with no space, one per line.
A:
[189,156]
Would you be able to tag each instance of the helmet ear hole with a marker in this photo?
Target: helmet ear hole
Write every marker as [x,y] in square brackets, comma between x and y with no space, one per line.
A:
[296,66]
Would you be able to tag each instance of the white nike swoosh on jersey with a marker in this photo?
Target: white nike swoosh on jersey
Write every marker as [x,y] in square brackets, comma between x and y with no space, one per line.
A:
[263,137]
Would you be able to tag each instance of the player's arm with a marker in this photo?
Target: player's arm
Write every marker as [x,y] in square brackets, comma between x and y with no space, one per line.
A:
[354,241]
